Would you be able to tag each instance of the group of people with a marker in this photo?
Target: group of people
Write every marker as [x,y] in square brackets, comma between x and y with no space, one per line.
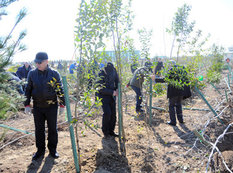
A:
[108,91]
[174,94]
[44,87]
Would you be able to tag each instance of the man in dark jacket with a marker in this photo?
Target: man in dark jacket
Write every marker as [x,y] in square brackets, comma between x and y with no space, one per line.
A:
[108,84]
[44,87]
[23,71]
[178,88]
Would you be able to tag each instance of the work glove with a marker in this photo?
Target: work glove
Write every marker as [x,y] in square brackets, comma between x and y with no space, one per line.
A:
[62,109]
[28,110]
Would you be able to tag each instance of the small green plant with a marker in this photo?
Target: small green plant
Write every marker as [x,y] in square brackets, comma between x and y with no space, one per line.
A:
[214,71]
[213,76]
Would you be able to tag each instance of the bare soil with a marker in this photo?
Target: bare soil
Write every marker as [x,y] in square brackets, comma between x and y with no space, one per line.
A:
[156,148]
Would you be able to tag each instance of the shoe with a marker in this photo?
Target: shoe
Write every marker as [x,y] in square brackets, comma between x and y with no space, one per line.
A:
[114,134]
[37,155]
[181,122]
[171,123]
[54,155]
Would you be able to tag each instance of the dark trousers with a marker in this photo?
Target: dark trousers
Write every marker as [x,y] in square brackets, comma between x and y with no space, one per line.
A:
[175,107]
[109,116]
[138,97]
[40,115]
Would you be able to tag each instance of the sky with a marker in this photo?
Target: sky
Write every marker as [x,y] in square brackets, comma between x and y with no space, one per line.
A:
[50,24]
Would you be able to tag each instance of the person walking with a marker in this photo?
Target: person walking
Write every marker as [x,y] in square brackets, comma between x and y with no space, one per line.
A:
[45,88]
[108,91]
[176,94]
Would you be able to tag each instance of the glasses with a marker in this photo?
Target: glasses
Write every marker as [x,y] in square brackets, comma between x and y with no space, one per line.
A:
[39,62]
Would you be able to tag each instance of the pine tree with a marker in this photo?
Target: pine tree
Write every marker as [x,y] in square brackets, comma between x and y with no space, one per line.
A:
[10,99]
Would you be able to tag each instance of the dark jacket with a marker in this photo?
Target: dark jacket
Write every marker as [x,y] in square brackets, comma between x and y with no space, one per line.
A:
[22,72]
[108,81]
[178,73]
[43,92]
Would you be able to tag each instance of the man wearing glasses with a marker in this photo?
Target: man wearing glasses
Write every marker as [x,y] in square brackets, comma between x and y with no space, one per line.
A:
[45,88]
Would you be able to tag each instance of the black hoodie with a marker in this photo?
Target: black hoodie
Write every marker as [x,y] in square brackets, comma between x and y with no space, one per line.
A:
[108,82]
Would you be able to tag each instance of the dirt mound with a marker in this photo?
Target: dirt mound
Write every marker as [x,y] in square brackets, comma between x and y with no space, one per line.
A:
[226,143]
[218,162]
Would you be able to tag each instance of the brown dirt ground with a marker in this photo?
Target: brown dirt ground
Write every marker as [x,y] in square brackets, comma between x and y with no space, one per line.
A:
[159,148]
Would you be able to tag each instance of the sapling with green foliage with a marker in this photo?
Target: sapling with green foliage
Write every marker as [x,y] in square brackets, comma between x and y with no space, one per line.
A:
[181,28]
[214,71]
[98,21]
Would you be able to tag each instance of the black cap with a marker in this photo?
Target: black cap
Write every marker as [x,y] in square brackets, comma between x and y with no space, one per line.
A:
[41,56]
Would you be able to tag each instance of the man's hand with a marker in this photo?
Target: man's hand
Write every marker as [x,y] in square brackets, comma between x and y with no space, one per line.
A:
[28,110]
[115,93]
[62,109]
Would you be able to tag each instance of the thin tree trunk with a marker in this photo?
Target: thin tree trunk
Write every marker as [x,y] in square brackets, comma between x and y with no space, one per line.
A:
[173,43]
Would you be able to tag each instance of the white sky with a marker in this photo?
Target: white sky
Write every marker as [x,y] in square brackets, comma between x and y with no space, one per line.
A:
[50,24]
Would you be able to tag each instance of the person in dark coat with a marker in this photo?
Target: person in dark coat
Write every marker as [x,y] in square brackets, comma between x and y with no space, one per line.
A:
[23,71]
[176,94]
[60,67]
[45,88]
[108,90]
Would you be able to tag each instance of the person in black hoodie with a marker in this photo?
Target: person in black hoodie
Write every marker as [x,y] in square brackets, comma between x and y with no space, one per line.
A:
[108,85]
[45,88]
